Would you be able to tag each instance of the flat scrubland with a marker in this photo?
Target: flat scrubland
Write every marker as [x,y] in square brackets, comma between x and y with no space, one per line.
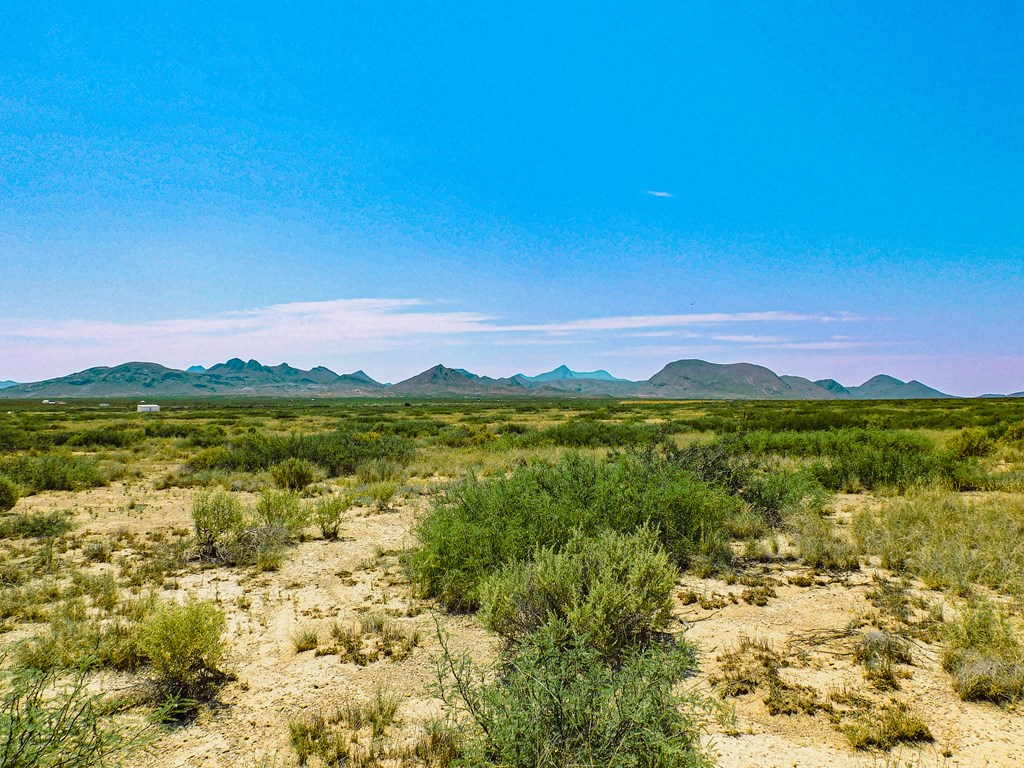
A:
[329,583]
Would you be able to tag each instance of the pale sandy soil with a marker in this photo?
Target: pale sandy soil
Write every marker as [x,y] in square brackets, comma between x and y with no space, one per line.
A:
[323,581]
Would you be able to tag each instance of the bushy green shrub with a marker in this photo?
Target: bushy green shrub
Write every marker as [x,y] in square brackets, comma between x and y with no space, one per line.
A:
[614,591]
[558,704]
[184,645]
[476,527]
[336,453]
[216,515]
[329,512]
[281,509]
[106,437]
[592,433]
[293,474]
[971,443]
[9,493]
[227,533]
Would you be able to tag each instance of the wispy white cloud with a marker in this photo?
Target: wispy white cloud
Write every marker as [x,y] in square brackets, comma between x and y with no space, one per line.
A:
[657,193]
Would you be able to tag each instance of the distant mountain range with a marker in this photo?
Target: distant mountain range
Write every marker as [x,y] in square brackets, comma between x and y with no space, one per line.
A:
[7,384]
[682,379]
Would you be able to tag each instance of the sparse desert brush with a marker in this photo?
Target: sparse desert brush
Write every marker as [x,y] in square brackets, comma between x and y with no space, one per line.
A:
[56,471]
[819,544]
[948,541]
[886,726]
[216,514]
[379,470]
[879,651]
[37,525]
[382,493]
[615,590]
[305,639]
[9,493]
[281,509]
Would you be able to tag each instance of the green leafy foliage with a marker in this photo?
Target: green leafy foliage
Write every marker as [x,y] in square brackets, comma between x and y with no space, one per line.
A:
[9,493]
[614,591]
[558,704]
[49,722]
[185,647]
[293,474]
[478,526]
[336,453]
[53,472]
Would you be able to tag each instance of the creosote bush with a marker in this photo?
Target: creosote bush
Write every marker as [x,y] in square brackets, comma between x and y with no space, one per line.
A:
[9,493]
[477,526]
[227,533]
[293,474]
[558,704]
[185,646]
[328,514]
[614,591]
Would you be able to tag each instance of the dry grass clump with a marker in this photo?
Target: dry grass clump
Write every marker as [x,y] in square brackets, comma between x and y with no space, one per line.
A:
[373,637]
[819,545]
[984,655]
[352,735]
[869,725]
[880,652]
[947,541]
[754,665]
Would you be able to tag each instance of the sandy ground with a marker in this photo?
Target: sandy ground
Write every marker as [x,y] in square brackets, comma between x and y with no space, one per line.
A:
[320,582]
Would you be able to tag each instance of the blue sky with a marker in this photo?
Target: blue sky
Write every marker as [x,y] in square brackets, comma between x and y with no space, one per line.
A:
[827,189]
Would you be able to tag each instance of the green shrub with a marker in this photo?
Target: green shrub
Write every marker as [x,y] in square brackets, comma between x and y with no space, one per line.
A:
[557,704]
[971,443]
[9,493]
[614,591]
[49,722]
[216,515]
[476,527]
[283,510]
[53,472]
[184,645]
[336,453]
[328,514]
[382,493]
[293,474]
[37,525]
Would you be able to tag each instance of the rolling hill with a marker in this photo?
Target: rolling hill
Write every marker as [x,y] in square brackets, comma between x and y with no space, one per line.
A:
[682,379]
